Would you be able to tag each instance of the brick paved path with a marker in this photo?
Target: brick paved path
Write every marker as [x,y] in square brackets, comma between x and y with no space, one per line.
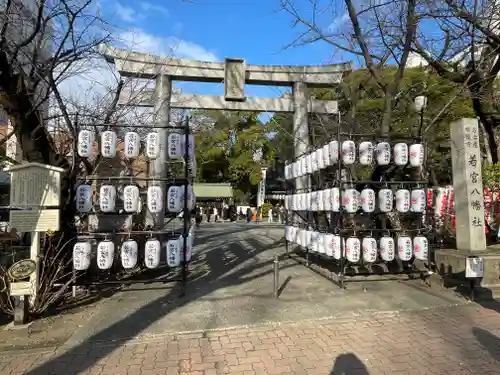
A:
[453,340]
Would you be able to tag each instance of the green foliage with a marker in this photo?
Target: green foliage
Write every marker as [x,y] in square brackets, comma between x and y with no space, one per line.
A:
[265,209]
[226,146]
[491,176]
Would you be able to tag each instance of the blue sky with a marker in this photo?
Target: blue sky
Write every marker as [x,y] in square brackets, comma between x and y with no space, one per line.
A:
[212,30]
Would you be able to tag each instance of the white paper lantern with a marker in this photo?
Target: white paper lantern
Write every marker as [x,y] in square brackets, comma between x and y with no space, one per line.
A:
[367,200]
[335,199]
[298,168]
[301,237]
[333,151]
[313,246]
[320,202]
[132,145]
[369,245]
[81,256]
[298,236]
[333,246]
[191,199]
[383,152]
[293,234]
[85,145]
[365,153]
[327,203]
[288,232]
[295,169]
[175,149]
[321,159]
[174,248]
[288,172]
[307,164]
[108,144]
[296,202]
[350,200]
[348,152]
[417,155]
[152,253]
[353,249]
[308,239]
[192,166]
[107,198]
[190,245]
[305,201]
[385,200]
[84,198]
[153,145]
[186,251]
[401,154]
[129,254]
[314,201]
[321,244]
[387,249]
[421,248]
[155,199]
[405,248]
[418,200]
[174,202]
[191,145]
[105,255]
[131,198]
[325,154]
[314,162]
[402,200]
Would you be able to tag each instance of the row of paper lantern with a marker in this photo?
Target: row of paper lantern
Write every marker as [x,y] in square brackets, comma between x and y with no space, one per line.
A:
[329,155]
[351,200]
[132,201]
[129,253]
[176,144]
[331,245]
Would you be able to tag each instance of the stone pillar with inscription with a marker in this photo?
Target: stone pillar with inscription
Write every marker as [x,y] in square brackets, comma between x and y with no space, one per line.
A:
[468,185]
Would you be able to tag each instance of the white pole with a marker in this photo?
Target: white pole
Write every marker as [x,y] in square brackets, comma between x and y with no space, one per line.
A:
[35,276]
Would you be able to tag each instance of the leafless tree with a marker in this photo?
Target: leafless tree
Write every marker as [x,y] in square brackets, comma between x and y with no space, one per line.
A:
[359,29]
[43,44]
[464,47]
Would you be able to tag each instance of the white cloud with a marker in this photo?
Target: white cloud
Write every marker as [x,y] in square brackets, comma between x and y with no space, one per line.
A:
[91,83]
[139,40]
[126,14]
[148,7]
[338,22]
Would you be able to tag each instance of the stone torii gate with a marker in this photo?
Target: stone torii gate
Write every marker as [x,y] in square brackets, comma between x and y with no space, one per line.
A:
[235,73]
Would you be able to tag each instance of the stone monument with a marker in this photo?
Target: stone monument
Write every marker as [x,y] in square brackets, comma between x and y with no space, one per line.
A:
[469,212]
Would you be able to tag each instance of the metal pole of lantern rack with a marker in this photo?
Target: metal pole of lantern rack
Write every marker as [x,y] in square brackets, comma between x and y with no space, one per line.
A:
[187,212]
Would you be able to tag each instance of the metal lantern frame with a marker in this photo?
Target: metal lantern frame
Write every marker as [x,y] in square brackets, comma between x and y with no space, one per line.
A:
[340,176]
[139,274]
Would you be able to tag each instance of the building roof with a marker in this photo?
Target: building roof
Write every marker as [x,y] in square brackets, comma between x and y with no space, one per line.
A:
[209,190]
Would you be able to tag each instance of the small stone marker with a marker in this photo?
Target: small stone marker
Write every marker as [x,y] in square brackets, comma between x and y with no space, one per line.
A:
[468,185]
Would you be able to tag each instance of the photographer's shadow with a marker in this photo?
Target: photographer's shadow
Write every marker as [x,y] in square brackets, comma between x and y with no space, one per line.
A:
[349,364]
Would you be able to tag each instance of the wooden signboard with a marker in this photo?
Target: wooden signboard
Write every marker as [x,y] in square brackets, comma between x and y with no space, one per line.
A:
[34,185]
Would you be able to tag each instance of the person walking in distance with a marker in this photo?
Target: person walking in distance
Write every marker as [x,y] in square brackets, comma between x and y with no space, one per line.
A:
[249,215]
[270,215]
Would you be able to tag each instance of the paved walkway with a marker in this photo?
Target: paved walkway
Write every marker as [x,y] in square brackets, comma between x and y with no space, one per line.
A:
[446,340]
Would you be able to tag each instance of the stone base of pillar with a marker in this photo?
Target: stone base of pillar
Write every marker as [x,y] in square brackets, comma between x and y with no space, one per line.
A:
[450,265]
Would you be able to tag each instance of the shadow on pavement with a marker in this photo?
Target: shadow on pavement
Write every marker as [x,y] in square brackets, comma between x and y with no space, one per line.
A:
[488,341]
[204,280]
[349,364]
